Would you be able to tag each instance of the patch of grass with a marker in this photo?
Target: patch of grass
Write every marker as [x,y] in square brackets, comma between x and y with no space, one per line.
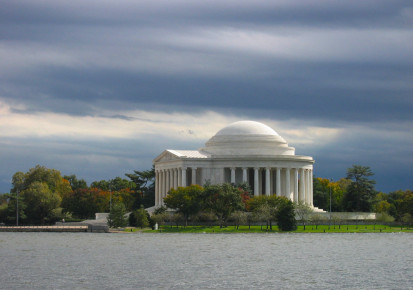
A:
[300,229]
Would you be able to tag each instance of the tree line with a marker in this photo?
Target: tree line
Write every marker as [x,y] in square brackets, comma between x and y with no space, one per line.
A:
[44,196]
[213,204]
[356,193]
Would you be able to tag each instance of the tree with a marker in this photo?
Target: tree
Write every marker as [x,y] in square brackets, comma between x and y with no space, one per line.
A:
[303,211]
[116,217]
[239,217]
[322,188]
[264,208]
[286,215]
[360,193]
[144,187]
[141,217]
[75,183]
[262,213]
[185,200]
[160,218]
[101,184]
[85,202]
[40,191]
[223,200]
[41,202]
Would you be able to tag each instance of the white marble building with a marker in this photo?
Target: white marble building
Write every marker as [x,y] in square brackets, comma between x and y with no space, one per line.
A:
[244,151]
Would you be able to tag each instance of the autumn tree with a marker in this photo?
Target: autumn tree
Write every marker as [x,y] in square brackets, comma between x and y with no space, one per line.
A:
[83,203]
[321,193]
[75,183]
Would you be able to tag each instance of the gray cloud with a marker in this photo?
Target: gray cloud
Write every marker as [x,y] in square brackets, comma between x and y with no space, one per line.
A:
[335,64]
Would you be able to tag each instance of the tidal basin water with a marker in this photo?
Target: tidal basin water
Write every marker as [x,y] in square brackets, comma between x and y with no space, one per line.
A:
[205,261]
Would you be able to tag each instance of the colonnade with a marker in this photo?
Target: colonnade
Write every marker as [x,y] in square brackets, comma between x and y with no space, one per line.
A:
[293,183]
[166,179]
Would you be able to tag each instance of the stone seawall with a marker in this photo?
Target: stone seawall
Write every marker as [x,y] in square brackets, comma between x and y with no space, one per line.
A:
[58,228]
[83,228]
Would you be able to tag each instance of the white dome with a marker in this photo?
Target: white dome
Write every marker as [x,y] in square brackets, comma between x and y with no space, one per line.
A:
[246,128]
[247,138]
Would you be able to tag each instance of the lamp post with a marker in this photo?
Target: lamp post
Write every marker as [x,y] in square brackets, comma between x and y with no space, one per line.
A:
[17,207]
[330,199]
[110,206]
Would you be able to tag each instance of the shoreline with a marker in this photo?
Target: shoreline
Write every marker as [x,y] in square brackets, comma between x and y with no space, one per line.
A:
[258,230]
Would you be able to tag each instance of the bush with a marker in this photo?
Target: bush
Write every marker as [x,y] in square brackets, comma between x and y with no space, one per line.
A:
[286,216]
[116,216]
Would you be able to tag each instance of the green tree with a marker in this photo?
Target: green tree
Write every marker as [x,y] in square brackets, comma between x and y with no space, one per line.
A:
[144,187]
[116,217]
[223,200]
[303,211]
[360,193]
[321,193]
[75,183]
[40,191]
[160,218]
[83,203]
[286,215]
[41,202]
[141,217]
[239,217]
[264,208]
[101,184]
[185,200]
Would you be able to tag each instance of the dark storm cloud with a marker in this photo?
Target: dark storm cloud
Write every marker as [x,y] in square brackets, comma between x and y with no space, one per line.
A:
[73,55]
[316,13]
[336,64]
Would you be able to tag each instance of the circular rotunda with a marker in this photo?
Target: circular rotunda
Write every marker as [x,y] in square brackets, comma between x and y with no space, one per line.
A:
[242,152]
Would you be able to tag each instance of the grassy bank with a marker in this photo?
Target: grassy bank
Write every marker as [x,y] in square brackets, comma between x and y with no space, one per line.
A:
[257,229]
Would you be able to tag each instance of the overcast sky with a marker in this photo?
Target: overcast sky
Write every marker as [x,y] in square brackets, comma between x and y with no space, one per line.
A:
[100,88]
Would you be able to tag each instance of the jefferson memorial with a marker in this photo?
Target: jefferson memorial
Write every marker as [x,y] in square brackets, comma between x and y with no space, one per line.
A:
[244,151]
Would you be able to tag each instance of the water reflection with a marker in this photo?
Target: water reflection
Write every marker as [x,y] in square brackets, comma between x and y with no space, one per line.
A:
[187,261]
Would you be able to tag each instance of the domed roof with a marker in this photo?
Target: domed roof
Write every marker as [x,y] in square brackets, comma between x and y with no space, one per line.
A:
[246,128]
[247,138]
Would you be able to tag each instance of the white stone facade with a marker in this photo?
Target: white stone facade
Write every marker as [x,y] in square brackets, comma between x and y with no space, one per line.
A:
[244,151]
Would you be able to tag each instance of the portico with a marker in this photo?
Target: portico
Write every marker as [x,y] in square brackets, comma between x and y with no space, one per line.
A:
[245,151]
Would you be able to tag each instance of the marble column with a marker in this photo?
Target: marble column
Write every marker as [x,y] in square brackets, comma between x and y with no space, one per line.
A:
[311,188]
[163,185]
[176,178]
[278,182]
[156,187]
[179,176]
[287,183]
[307,191]
[295,185]
[193,175]
[308,187]
[301,191]
[183,177]
[244,174]
[256,181]
[233,175]
[267,181]
[168,181]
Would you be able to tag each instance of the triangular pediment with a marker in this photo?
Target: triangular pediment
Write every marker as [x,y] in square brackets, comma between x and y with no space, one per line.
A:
[166,156]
